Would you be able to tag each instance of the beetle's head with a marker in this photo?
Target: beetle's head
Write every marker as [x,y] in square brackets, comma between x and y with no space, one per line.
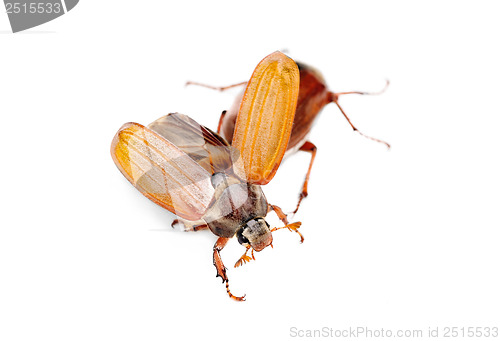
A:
[255,233]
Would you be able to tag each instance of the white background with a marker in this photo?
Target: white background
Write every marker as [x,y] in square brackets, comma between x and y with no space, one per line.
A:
[400,239]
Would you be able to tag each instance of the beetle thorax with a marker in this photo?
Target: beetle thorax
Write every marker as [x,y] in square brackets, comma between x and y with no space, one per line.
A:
[235,203]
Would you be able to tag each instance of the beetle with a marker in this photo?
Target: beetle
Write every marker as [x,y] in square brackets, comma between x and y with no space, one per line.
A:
[314,95]
[209,184]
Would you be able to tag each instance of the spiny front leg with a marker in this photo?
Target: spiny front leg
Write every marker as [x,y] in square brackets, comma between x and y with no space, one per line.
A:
[245,258]
[221,269]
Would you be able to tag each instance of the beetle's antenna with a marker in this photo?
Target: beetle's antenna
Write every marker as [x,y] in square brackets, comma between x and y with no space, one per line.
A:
[283,218]
[334,97]
[245,258]
[292,227]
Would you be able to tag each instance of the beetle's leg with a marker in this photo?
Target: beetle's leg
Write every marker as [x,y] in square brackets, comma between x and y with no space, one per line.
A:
[221,269]
[196,228]
[220,88]
[311,148]
[356,129]
[245,258]
[364,92]
[221,119]
[292,227]
[189,227]
[279,212]
[334,97]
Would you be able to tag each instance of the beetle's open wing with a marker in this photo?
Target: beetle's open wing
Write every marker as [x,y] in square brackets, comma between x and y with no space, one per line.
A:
[265,118]
[204,146]
[161,171]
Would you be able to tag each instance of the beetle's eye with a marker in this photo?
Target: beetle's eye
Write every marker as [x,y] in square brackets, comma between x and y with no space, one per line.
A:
[241,238]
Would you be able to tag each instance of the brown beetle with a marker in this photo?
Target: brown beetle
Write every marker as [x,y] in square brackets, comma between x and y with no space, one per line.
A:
[195,174]
[313,96]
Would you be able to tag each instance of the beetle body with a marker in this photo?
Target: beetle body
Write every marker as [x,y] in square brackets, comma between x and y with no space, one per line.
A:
[194,173]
